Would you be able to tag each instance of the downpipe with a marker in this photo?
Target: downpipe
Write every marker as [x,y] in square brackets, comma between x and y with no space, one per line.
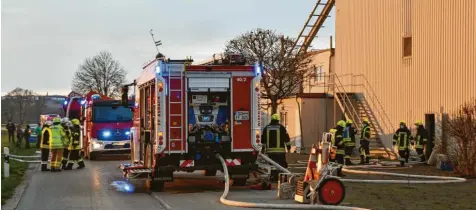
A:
[228,202]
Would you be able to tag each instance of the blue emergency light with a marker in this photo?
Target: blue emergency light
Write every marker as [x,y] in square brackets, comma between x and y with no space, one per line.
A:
[258,69]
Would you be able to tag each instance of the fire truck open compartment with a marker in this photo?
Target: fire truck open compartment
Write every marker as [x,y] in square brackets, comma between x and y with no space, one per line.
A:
[186,114]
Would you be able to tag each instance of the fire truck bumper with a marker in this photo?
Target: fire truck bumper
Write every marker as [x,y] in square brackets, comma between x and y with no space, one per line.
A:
[111,147]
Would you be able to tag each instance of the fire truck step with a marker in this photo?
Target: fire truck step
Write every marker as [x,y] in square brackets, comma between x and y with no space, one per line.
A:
[175,127]
[175,102]
[175,114]
[140,171]
[175,90]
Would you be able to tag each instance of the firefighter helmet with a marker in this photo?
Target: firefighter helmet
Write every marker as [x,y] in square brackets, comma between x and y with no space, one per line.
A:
[365,120]
[75,121]
[418,123]
[48,123]
[56,120]
[275,117]
[403,122]
[341,123]
[349,121]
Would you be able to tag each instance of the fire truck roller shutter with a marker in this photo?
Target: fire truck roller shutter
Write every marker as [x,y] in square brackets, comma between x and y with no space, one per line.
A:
[223,115]
[191,116]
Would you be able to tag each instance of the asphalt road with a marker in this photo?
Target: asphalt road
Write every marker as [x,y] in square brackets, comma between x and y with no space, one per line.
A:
[87,188]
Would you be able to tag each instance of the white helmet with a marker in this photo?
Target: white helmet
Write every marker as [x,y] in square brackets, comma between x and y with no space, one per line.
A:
[49,123]
[64,120]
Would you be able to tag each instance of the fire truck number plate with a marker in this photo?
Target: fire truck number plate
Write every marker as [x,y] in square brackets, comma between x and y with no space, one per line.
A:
[242,115]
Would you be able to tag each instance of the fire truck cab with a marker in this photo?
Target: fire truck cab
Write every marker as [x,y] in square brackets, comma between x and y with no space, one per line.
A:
[185,114]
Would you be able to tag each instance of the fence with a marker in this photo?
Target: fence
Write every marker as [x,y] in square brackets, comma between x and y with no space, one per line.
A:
[19,158]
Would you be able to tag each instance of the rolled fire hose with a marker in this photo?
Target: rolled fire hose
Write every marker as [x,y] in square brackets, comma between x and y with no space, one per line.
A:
[228,202]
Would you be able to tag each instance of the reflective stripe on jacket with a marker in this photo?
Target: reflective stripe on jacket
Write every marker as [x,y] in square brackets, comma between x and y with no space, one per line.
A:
[57,137]
[75,138]
[402,138]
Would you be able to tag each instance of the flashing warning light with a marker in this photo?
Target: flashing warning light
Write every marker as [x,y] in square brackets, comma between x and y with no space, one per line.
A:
[65,102]
[161,87]
[128,133]
[83,102]
[158,69]
[136,104]
[106,133]
[258,69]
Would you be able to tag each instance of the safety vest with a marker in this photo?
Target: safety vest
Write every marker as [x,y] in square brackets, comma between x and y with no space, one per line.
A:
[45,143]
[67,139]
[365,134]
[56,137]
[349,136]
[401,138]
[420,140]
[75,139]
[277,148]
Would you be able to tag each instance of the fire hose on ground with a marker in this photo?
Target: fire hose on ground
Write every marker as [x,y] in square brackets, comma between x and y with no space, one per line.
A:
[228,202]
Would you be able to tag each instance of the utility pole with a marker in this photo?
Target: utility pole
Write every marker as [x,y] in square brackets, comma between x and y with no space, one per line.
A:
[156,43]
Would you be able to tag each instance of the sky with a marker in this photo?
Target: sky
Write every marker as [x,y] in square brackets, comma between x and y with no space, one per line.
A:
[44,42]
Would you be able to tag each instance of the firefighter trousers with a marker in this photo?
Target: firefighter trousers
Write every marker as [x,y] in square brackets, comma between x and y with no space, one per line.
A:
[364,150]
[421,154]
[348,154]
[404,155]
[56,155]
[340,160]
[75,157]
[279,158]
[64,160]
[45,154]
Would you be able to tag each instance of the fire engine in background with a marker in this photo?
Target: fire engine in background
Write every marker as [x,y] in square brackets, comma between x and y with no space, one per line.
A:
[185,114]
[47,117]
[106,124]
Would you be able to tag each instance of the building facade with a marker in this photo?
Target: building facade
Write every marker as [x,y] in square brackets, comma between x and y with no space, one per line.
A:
[418,56]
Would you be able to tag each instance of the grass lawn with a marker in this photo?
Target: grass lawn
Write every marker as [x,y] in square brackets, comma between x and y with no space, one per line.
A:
[17,169]
[411,196]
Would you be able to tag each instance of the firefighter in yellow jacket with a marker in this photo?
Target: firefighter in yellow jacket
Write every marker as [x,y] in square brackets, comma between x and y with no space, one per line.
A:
[364,148]
[56,144]
[276,138]
[66,128]
[349,141]
[402,138]
[340,145]
[45,145]
[421,138]
[75,147]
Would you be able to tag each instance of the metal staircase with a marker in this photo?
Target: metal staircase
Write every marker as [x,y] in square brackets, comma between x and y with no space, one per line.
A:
[357,106]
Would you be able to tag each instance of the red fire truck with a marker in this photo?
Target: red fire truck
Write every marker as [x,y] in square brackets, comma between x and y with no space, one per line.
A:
[187,113]
[106,124]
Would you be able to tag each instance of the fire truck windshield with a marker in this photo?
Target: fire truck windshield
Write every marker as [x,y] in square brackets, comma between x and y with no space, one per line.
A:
[109,114]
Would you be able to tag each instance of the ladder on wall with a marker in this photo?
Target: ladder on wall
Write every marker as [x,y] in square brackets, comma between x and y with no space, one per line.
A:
[315,21]
[174,103]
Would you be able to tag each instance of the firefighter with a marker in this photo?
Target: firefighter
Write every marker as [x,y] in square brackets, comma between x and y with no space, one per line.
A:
[276,138]
[45,145]
[75,147]
[340,145]
[364,148]
[420,140]
[402,138]
[349,140]
[65,126]
[56,143]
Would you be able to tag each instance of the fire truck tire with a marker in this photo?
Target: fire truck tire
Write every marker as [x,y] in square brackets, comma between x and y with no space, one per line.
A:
[331,191]
[156,186]
[239,181]
[210,172]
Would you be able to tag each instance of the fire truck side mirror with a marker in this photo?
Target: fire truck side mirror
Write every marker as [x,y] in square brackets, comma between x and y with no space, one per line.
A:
[124,98]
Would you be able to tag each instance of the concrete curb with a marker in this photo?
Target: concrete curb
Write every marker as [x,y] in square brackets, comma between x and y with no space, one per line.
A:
[13,202]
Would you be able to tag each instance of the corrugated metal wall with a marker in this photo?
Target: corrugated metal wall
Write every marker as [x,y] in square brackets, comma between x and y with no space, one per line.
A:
[442,69]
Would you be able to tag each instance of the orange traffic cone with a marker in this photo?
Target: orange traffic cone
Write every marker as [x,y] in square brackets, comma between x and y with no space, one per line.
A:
[311,170]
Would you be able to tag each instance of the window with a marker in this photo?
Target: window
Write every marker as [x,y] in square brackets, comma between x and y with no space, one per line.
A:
[318,73]
[110,114]
[407,46]
[284,119]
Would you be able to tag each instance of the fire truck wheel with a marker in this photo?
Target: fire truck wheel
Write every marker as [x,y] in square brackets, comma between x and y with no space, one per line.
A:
[331,191]
[239,182]
[210,172]
[156,186]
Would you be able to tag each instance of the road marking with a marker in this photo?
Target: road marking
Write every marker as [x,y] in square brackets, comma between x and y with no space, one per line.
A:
[162,202]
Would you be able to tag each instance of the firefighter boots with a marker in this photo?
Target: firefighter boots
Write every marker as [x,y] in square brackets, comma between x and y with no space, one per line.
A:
[362,159]
[44,167]
[348,162]
[69,166]
[81,165]
[367,160]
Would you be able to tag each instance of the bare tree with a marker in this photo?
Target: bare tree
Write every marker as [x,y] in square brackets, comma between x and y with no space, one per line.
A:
[101,74]
[461,128]
[285,69]
[21,100]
